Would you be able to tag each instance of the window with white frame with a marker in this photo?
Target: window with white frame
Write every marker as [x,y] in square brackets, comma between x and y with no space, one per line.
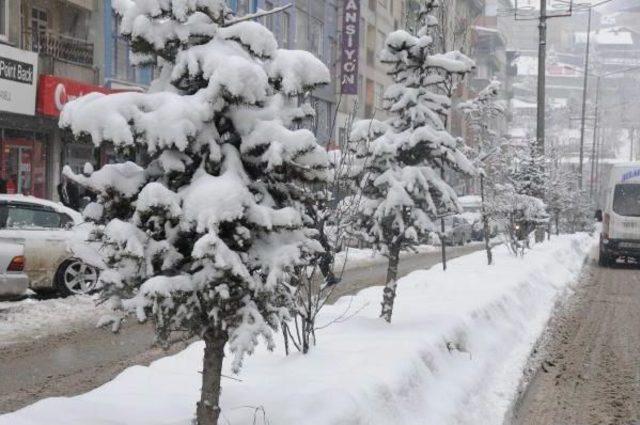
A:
[315,38]
[302,34]
[269,20]
[285,24]
[379,95]
[244,7]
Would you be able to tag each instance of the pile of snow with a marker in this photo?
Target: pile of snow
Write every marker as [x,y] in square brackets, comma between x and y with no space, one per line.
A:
[453,355]
[30,319]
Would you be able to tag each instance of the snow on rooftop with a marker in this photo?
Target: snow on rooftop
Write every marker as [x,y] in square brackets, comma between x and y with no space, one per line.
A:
[615,36]
[518,132]
[521,104]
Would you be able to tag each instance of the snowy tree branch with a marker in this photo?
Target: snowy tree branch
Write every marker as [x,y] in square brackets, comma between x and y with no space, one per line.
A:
[257,15]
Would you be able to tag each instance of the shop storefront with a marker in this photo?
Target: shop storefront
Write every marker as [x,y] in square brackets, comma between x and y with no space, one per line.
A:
[25,138]
[53,93]
[32,147]
[23,162]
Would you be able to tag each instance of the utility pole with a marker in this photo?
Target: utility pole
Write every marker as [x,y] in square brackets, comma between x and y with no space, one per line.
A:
[584,98]
[542,74]
[595,138]
[589,7]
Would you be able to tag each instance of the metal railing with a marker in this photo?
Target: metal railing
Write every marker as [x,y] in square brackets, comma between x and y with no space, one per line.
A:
[58,46]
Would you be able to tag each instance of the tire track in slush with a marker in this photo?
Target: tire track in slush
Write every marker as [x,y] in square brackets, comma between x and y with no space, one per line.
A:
[587,368]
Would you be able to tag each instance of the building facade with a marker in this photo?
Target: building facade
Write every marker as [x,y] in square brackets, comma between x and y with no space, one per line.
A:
[377,18]
[53,40]
[70,48]
[306,25]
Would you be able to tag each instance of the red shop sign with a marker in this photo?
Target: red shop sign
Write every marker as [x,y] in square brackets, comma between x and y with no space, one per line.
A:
[54,92]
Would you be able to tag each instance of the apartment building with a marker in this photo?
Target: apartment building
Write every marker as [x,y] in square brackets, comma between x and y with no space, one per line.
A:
[307,25]
[46,57]
[376,19]
[62,49]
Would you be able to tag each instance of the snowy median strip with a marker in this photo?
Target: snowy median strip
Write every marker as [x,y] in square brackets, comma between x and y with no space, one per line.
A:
[453,355]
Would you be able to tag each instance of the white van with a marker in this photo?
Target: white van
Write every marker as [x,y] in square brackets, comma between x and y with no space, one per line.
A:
[620,216]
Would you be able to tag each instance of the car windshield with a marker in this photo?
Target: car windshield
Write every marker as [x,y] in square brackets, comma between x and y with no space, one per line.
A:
[626,200]
[19,217]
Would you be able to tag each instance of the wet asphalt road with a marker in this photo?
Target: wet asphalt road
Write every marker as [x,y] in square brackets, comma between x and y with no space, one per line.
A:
[588,368]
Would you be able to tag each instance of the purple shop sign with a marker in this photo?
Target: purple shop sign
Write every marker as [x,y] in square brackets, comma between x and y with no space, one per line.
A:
[350,46]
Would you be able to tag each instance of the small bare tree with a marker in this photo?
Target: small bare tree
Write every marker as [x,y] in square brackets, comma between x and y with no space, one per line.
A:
[480,112]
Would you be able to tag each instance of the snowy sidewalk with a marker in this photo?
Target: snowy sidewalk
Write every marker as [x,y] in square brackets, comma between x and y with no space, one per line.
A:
[453,355]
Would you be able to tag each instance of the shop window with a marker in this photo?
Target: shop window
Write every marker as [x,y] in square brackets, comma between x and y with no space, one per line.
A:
[23,163]
[76,155]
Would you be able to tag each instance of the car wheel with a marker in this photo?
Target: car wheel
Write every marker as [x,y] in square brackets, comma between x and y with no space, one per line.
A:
[76,278]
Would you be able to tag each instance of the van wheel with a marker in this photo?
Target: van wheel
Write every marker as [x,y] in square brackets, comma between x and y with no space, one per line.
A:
[604,260]
[76,278]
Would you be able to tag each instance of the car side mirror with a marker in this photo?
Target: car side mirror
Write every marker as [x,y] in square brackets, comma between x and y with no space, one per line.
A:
[599,216]
[68,225]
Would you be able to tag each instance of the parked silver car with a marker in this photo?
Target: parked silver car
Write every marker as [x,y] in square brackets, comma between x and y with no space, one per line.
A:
[458,230]
[13,280]
[46,230]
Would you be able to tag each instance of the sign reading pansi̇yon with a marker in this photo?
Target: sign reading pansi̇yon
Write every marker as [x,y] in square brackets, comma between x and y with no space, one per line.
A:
[18,80]
[350,46]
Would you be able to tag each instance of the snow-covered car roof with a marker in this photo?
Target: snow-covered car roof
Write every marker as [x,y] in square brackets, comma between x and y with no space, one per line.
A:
[470,200]
[57,206]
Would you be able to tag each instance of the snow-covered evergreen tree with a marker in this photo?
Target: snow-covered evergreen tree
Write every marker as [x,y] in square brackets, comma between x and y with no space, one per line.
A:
[486,151]
[521,198]
[401,160]
[570,208]
[528,172]
[207,234]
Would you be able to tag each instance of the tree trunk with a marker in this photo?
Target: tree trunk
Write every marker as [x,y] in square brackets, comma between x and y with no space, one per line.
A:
[557,224]
[389,294]
[208,409]
[443,244]
[485,225]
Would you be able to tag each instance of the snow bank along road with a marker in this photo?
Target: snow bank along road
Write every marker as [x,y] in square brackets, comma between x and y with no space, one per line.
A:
[454,354]
[51,348]
[588,369]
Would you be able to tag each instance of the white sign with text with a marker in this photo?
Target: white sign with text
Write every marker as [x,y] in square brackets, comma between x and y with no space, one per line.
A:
[18,80]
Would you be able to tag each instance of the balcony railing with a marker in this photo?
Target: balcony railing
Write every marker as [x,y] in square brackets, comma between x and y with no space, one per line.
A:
[58,46]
